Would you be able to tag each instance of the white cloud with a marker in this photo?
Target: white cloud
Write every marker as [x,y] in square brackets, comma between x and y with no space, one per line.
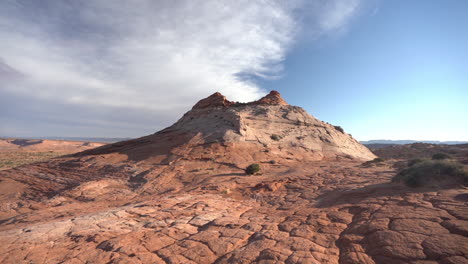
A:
[336,13]
[153,55]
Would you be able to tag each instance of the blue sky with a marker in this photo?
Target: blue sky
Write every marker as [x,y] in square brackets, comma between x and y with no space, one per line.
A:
[380,69]
[398,73]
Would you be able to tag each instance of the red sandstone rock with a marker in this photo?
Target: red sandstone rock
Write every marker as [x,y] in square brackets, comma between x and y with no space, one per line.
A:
[219,100]
[214,100]
[273,98]
[182,196]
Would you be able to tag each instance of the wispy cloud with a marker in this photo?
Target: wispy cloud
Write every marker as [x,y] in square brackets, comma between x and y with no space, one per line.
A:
[151,55]
[336,14]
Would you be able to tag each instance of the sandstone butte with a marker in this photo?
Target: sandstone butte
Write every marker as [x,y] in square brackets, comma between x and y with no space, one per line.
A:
[181,196]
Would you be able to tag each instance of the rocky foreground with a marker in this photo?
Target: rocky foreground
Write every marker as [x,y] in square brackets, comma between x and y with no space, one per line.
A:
[313,213]
[182,196]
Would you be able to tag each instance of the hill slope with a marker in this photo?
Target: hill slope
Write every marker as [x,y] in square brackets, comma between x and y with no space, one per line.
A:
[268,125]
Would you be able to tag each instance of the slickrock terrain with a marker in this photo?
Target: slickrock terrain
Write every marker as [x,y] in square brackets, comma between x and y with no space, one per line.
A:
[181,195]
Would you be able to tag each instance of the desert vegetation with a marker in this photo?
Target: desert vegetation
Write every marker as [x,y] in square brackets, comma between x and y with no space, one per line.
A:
[433,173]
[419,151]
[252,169]
[275,137]
[374,162]
[17,152]
[441,156]
[414,161]
[339,129]
[13,159]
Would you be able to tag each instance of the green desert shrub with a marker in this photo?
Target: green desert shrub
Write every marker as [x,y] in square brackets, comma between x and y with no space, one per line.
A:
[252,169]
[440,156]
[433,172]
[275,137]
[339,129]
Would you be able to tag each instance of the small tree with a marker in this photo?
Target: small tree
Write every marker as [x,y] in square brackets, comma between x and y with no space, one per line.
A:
[252,169]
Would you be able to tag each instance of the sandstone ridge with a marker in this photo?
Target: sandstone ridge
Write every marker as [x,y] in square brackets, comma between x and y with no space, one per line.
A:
[243,133]
[219,100]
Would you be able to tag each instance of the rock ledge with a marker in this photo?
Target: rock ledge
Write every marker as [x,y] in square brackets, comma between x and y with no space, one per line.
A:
[219,100]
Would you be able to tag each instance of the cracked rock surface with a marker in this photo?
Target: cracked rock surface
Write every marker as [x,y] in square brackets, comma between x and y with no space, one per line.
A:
[321,212]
